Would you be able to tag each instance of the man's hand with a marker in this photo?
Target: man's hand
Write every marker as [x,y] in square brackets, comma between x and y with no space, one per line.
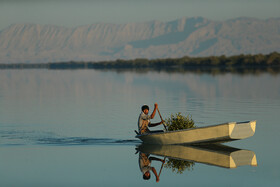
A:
[156,105]
[155,110]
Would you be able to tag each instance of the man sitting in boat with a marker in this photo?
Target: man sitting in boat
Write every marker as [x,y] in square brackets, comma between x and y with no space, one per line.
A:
[144,120]
[145,166]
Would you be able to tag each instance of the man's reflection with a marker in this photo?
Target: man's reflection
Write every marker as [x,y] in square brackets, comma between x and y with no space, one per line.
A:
[145,166]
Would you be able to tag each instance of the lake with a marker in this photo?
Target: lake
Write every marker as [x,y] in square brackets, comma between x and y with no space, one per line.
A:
[76,127]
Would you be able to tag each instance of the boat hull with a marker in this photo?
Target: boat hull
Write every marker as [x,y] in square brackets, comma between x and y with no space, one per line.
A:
[211,134]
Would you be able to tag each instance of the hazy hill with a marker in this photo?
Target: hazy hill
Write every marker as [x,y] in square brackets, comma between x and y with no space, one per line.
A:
[187,36]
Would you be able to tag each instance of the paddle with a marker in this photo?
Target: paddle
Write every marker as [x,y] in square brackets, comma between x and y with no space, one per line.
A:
[162,119]
[136,132]
[161,167]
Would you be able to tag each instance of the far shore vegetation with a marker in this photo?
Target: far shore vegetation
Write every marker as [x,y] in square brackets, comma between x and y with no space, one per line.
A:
[258,62]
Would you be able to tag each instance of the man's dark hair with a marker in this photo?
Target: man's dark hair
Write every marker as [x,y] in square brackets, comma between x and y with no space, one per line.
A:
[146,177]
[145,107]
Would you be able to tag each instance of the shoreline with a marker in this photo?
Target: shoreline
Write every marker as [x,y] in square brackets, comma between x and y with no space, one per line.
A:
[238,62]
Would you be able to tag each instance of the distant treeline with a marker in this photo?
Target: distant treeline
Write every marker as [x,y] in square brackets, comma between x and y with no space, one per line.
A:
[232,62]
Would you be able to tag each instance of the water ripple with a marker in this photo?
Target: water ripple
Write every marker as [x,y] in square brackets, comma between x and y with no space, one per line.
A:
[85,141]
[10,138]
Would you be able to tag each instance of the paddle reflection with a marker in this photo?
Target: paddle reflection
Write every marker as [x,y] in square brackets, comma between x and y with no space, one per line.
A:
[179,157]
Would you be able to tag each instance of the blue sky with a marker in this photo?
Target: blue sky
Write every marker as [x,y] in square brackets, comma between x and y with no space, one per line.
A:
[71,13]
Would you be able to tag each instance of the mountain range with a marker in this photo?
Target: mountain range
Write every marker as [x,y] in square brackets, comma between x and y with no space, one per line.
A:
[196,36]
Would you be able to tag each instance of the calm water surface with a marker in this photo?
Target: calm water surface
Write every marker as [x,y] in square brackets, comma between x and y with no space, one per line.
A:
[75,128]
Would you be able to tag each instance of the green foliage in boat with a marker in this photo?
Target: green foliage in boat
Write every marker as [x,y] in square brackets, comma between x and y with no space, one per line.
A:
[179,166]
[179,122]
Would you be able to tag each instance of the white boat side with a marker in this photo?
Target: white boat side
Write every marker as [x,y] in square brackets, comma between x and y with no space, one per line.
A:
[210,134]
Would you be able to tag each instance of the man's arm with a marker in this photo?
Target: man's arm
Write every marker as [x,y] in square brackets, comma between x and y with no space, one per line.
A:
[155,173]
[154,112]
[154,158]
[155,124]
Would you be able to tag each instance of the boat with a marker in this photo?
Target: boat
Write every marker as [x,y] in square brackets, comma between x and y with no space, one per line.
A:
[211,154]
[202,135]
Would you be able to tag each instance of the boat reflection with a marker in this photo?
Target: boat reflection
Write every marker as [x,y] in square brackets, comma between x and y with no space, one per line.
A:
[182,157]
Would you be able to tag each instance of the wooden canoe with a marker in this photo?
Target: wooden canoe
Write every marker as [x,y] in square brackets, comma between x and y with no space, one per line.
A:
[211,134]
[211,154]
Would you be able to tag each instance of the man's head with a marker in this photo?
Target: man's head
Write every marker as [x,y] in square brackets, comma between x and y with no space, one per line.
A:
[146,175]
[145,109]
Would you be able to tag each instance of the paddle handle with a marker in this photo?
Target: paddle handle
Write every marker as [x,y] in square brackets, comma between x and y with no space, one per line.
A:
[161,167]
[161,119]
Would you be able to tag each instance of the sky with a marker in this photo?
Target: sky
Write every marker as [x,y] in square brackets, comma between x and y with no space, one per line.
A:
[72,13]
